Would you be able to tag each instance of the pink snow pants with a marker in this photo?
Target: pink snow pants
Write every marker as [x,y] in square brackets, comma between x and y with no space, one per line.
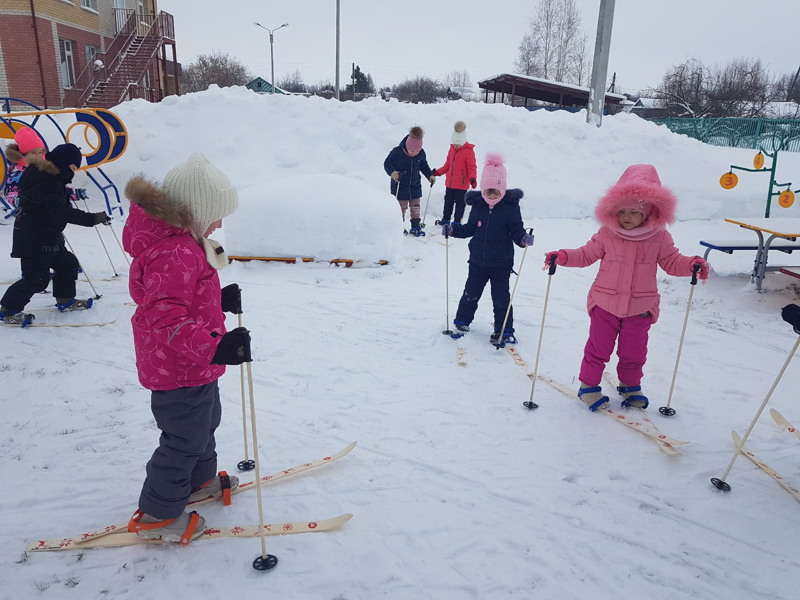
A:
[604,330]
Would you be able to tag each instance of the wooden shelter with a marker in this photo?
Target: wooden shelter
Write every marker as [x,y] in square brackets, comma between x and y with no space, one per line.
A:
[522,88]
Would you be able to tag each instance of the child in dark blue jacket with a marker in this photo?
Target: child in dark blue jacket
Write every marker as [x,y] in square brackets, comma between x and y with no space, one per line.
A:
[403,165]
[495,225]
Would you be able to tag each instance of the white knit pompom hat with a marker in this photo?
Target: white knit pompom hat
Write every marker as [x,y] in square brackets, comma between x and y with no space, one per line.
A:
[204,189]
[459,135]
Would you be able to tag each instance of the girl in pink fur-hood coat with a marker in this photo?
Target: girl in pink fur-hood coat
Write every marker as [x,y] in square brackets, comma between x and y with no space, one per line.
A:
[623,301]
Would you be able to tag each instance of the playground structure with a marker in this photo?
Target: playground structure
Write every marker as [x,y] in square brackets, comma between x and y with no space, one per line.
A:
[98,132]
[780,140]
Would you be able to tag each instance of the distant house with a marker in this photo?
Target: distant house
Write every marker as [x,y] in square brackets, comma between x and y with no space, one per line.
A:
[649,108]
[469,94]
[262,86]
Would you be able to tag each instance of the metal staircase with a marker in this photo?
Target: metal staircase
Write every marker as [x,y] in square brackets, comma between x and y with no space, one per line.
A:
[125,64]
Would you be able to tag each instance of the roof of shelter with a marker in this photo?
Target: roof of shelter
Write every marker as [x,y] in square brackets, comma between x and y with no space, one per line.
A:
[544,90]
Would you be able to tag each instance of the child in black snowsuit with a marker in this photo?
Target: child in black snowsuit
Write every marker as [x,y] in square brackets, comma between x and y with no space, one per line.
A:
[495,225]
[403,165]
[43,212]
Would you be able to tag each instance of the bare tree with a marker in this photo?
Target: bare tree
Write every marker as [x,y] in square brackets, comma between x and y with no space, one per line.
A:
[420,90]
[556,46]
[218,67]
[458,79]
[743,88]
[293,82]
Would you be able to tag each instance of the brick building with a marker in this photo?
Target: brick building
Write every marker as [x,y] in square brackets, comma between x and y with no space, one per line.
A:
[79,53]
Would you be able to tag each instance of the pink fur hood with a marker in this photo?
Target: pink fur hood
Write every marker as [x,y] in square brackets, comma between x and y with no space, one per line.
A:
[641,189]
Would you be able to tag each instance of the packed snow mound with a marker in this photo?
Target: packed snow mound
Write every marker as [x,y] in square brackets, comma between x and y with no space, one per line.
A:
[341,218]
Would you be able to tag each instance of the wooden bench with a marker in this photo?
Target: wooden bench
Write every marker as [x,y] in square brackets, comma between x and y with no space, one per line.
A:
[730,246]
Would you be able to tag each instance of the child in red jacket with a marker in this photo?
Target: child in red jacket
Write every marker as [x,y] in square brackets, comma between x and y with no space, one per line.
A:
[623,301]
[461,171]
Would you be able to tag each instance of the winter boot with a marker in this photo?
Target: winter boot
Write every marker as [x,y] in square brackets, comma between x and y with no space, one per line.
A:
[74,304]
[443,222]
[632,396]
[416,230]
[592,396]
[214,488]
[14,317]
[461,325]
[507,337]
[183,529]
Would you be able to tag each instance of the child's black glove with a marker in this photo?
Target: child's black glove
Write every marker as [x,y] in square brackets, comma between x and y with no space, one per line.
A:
[234,348]
[101,218]
[791,314]
[232,299]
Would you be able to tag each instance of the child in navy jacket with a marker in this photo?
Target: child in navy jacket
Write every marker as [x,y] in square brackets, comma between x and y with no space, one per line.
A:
[403,165]
[495,225]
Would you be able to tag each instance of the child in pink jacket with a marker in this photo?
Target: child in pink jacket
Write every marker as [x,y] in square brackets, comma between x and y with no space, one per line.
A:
[180,339]
[27,145]
[623,300]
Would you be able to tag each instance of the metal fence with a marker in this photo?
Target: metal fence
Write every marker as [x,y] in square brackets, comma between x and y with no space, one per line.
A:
[764,134]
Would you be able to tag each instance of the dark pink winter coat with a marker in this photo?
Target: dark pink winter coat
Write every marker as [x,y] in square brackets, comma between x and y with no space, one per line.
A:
[460,167]
[176,291]
[626,284]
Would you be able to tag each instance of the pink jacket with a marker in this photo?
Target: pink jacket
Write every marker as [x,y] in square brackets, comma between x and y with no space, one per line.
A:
[626,284]
[460,167]
[176,291]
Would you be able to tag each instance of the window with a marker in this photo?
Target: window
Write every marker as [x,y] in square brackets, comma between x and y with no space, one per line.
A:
[91,52]
[91,4]
[67,63]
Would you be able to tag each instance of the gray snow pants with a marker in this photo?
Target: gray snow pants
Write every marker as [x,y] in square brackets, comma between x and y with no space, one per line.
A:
[186,457]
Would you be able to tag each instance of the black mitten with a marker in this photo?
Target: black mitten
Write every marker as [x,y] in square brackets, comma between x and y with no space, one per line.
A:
[101,218]
[232,299]
[791,314]
[234,348]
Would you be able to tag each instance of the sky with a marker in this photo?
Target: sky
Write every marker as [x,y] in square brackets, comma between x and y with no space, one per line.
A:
[457,492]
[394,41]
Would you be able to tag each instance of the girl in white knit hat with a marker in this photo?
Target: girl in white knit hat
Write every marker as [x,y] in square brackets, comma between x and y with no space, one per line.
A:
[461,172]
[180,339]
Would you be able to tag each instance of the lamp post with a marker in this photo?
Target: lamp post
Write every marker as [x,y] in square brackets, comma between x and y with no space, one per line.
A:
[271,56]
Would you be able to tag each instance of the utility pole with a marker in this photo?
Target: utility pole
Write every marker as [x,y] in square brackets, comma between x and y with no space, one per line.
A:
[602,48]
[353,78]
[337,49]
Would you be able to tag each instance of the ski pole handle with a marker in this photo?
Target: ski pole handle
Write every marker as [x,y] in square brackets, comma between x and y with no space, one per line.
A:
[695,268]
[552,269]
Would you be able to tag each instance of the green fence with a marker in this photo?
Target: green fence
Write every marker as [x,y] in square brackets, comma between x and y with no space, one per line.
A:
[766,134]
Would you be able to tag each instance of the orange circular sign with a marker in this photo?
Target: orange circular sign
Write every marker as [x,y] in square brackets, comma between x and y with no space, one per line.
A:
[786,198]
[758,160]
[729,181]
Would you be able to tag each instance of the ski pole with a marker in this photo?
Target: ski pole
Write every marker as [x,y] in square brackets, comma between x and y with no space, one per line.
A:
[425,215]
[720,483]
[102,243]
[247,464]
[265,561]
[499,344]
[530,404]
[96,295]
[447,330]
[666,410]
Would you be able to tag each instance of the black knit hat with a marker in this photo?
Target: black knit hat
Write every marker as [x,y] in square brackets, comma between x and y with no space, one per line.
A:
[65,155]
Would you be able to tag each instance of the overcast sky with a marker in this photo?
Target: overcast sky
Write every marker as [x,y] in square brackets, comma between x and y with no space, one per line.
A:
[393,40]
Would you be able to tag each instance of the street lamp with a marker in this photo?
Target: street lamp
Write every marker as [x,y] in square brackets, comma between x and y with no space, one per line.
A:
[271,57]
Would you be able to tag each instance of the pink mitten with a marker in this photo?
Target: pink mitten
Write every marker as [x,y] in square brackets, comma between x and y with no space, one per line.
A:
[561,257]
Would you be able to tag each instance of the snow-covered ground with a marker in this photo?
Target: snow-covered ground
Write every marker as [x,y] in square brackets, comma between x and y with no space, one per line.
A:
[457,491]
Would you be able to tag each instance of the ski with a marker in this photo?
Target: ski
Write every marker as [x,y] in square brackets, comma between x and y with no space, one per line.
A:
[519,360]
[461,356]
[243,487]
[783,423]
[131,539]
[768,470]
[45,324]
[645,425]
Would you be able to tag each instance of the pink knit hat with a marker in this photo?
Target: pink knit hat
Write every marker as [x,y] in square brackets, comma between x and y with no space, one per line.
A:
[27,139]
[494,174]
[413,144]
